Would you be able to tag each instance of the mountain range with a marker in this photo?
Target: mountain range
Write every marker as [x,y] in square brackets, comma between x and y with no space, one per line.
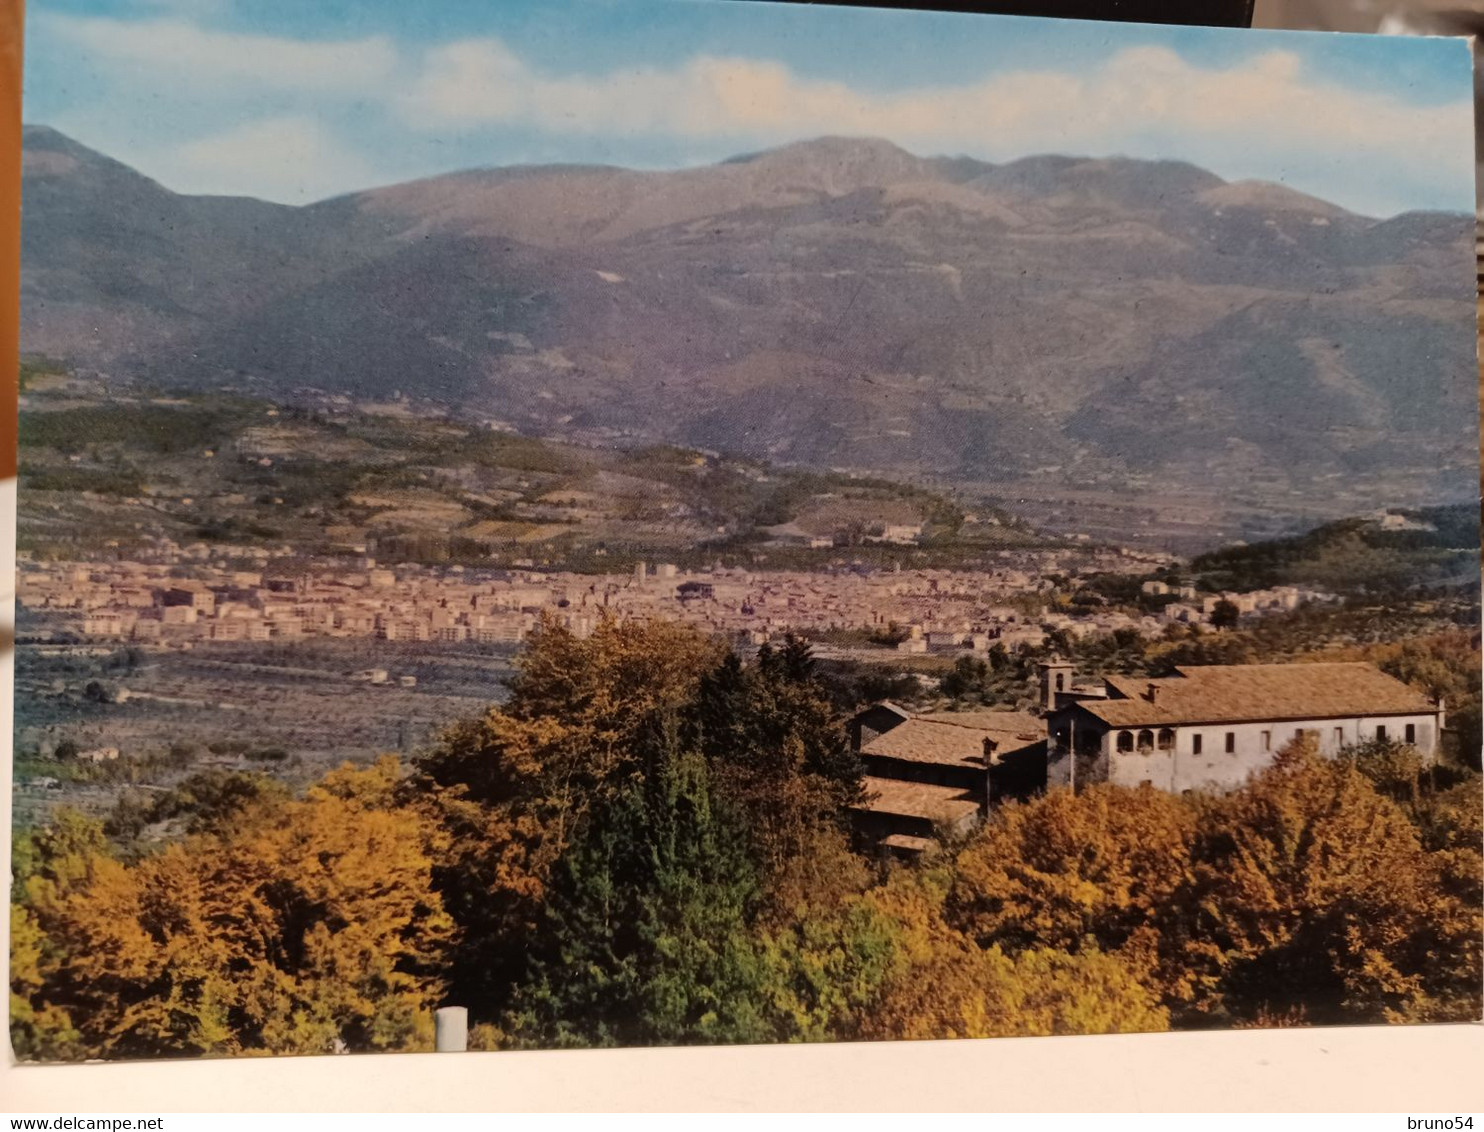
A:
[835,303]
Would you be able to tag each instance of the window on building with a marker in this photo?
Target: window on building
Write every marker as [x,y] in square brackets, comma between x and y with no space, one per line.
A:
[1381,732]
[1411,733]
[1267,740]
[1125,740]
[1339,736]
[1195,744]
[1231,742]
[1146,740]
[1061,682]
[1166,740]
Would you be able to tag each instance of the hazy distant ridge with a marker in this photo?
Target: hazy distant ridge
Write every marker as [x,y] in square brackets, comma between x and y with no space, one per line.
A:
[833,302]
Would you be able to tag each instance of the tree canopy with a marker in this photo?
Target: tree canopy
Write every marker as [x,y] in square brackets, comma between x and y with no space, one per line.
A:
[649,843]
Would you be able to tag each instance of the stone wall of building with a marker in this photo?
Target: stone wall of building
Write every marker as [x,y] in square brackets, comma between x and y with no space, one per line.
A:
[1254,746]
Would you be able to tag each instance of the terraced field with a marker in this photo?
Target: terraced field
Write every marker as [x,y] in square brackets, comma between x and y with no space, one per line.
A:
[107,471]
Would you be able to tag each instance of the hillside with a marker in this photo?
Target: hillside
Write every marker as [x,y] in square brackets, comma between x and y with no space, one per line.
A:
[1056,322]
[106,475]
[1427,547]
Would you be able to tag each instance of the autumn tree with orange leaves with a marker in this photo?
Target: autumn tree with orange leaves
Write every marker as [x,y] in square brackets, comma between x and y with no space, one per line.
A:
[310,930]
[1320,901]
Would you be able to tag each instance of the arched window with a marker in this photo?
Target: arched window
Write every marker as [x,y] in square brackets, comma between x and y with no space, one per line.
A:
[1146,740]
[1125,740]
[1061,682]
[1166,739]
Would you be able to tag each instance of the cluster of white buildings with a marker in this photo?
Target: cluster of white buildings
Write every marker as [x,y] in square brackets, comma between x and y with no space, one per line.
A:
[1193,607]
[131,601]
[198,593]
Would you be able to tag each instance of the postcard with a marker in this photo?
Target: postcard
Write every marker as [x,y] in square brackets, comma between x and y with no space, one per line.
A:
[582,524]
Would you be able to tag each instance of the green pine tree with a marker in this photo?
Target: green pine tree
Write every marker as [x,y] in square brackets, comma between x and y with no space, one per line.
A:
[646,936]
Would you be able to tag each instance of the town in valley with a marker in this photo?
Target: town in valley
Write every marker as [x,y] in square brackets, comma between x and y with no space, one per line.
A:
[310,659]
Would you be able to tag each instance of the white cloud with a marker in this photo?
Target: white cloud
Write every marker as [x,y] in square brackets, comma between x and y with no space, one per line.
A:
[166,50]
[1268,116]
[289,159]
[1142,99]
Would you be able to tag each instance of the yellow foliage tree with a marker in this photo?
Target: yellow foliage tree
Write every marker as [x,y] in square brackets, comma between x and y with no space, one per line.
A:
[1319,897]
[37,1027]
[945,986]
[48,867]
[1108,865]
[314,929]
[1453,832]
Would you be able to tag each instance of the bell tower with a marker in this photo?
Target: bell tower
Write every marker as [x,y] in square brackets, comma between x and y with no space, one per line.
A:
[1056,676]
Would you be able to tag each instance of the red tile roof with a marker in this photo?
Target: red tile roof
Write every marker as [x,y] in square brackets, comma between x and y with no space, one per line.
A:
[1237,693]
[917,800]
[957,738]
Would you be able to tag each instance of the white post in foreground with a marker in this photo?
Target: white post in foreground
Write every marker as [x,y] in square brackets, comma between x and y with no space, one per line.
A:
[451,1029]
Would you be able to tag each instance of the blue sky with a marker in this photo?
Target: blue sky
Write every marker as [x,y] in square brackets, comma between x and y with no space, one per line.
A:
[294,100]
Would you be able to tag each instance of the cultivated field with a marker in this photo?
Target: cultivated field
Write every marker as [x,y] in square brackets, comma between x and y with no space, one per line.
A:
[291,711]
